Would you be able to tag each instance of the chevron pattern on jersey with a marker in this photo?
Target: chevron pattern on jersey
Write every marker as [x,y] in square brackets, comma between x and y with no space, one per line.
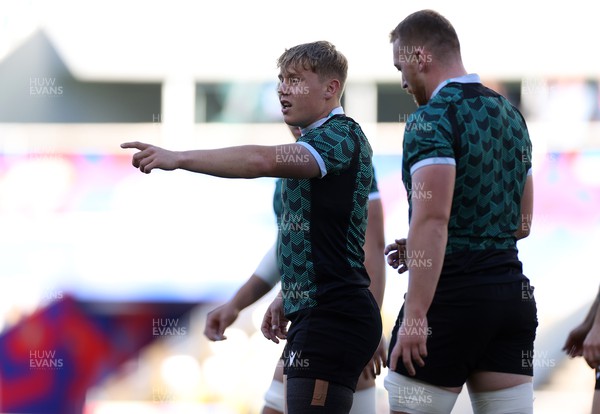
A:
[294,250]
[277,202]
[332,144]
[492,146]
[340,142]
[366,183]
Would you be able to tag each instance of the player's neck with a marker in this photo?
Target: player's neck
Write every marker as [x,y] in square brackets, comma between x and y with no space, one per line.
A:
[449,71]
[327,113]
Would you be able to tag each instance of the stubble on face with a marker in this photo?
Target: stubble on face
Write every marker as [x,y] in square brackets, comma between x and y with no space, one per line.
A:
[406,60]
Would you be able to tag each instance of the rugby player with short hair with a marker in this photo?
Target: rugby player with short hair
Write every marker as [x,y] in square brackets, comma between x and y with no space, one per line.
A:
[335,320]
[469,314]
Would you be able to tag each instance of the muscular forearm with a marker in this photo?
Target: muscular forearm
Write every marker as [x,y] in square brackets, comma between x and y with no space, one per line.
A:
[593,315]
[375,264]
[376,270]
[374,247]
[252,161]
[251,291]
[526,210]
[425,249]
[247,161]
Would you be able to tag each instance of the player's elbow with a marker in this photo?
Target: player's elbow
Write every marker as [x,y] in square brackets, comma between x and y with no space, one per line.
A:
[524,227]
[260,164]
[436,220]
[521,233]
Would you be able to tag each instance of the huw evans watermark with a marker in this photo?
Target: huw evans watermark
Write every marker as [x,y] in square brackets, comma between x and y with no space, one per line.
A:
[415,122]
[44,86]
[293,291]
[415,259]
[539,359]
[291,155]
[414,396]
[413,326]
[414,54]
[44,359]
[417,192]
[292,222]
[168,327]
[294,359]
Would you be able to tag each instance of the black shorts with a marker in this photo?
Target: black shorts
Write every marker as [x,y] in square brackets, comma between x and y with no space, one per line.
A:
[333,341]
[477,328]
[597,379]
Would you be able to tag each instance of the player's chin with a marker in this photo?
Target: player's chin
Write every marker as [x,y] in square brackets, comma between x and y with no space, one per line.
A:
[290,119]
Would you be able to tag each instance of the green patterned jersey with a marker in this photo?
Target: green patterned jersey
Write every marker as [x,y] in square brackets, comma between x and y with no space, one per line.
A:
[479,131]
[278,203]
[323,220]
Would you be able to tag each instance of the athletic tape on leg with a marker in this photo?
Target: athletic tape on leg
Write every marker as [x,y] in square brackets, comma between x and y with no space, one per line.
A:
[416,397]
[365,401]
[514,400]
[274,397]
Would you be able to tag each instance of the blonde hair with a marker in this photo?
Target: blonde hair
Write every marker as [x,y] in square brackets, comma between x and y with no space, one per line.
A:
[319,57]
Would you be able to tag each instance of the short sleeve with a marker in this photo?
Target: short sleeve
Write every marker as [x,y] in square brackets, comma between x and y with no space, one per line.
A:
[428,141]
[332,147]
[374,190]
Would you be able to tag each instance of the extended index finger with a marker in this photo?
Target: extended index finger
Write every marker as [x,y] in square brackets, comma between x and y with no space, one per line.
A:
[135,144]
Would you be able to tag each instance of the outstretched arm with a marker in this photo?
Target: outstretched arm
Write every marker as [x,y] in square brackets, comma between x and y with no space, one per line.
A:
[246,161]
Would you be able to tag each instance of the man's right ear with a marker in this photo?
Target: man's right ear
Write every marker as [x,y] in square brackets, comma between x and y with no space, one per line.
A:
[333,88]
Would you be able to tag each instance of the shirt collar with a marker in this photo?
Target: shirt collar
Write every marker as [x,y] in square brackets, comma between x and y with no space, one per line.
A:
[335,111]
[469,78]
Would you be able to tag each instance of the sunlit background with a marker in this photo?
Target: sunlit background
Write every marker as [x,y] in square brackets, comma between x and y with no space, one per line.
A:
[106,274]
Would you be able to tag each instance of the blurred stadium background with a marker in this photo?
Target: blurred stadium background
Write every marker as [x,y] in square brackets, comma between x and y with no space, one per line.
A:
[107,274]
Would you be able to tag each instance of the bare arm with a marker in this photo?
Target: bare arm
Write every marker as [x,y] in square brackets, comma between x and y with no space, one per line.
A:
[262,281]
[222,317]
[526,210]
[375,264]
[428,235]
[591,344]
[374,246]
[574,345]
[592,316]
[425,251]
[250,292]
[246,161]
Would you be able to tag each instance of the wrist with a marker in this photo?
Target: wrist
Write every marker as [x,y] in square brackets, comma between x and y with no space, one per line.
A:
[180,159]
[415,311]
[234,306]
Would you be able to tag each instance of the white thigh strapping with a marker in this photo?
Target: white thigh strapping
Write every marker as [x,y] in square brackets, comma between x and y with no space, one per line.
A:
[364,402]
[513,400]
[274,397]
[416,397]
